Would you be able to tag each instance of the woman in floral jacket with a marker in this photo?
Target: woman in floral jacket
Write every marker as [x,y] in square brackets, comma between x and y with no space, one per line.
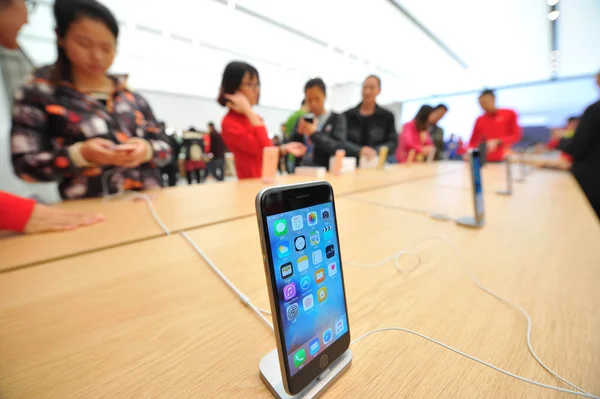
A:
[77,125]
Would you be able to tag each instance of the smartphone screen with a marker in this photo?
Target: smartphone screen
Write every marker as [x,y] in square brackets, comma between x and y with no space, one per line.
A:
[306,285]
[310,290]
[477,185]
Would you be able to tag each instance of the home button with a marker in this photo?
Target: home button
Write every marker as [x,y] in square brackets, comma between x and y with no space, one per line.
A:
[324,362]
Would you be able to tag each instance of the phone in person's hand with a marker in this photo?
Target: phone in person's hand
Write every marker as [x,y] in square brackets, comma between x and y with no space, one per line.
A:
[303,267]
[125,147]
[309,118]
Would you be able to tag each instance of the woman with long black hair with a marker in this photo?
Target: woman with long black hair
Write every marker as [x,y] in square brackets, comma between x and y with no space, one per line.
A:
[415,136]
[242,129]
[75,124]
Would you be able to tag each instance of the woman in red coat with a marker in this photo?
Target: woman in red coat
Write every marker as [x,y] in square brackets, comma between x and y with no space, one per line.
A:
[242,130]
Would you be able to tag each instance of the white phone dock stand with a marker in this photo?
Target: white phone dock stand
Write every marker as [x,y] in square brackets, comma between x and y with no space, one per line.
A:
[270,374]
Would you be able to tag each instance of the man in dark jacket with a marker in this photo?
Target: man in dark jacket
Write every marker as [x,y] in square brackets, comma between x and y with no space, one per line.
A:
[584,147]
[369,126]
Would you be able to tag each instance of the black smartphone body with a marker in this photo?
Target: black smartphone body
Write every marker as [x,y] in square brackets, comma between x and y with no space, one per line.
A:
[483,152]
[303,268]
[476,163]
[309,117]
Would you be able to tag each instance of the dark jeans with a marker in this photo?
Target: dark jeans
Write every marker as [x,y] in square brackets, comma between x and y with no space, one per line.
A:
[195,173]
[171,170]
[216,167]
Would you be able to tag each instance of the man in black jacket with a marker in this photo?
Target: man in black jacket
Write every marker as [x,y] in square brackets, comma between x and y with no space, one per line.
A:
[369,126]
[584,147]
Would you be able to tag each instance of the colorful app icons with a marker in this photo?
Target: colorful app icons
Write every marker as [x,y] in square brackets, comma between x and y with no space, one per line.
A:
[332,269]
[322,294]
[314,238]
[317,257]
[297,223]
[312,218]
[325,214]
[339,327]
[287,270]
[299,357]
[280,227]
[292,311]
[327,233]
[314,346]
[319,276]
[305,283]
[302,263]
[308,302]
[289,291]
[283,249]
[330,251]
[300,243]
[327,335]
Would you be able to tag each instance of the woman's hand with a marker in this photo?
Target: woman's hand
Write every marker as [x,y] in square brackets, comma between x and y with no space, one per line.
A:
[294,148]
[426,150]
[45,218]
[239,103]
[100,151]
[368,152]
[134,153]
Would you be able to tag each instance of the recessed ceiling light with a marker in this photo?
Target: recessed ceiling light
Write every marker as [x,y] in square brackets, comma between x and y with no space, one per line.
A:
[552,3]
[553,16]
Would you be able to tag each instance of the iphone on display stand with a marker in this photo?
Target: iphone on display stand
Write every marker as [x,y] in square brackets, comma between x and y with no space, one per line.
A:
[477,189]
[509,189]
[338,162]
[303,268]
[383,154]
[269,165]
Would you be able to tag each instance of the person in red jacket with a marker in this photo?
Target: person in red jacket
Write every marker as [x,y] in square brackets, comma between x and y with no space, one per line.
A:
[243,130]
[24,215]
[497,127]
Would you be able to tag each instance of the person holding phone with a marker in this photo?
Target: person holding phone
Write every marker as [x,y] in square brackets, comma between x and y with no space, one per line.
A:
[78,126]
[415,136]
[242,130]
[323,132]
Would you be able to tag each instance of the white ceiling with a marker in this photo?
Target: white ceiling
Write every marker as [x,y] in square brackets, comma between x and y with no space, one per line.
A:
[190,41]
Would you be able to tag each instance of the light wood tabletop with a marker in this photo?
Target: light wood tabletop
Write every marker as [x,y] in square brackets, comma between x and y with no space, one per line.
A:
[150,319]
[181,208]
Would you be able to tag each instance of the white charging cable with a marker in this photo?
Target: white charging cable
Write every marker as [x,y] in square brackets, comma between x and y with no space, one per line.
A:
[246,301]
[508,373]
[152,210]
[396,257]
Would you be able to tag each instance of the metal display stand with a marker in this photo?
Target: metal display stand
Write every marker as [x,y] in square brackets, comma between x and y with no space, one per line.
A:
[509,190]
[469,221]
